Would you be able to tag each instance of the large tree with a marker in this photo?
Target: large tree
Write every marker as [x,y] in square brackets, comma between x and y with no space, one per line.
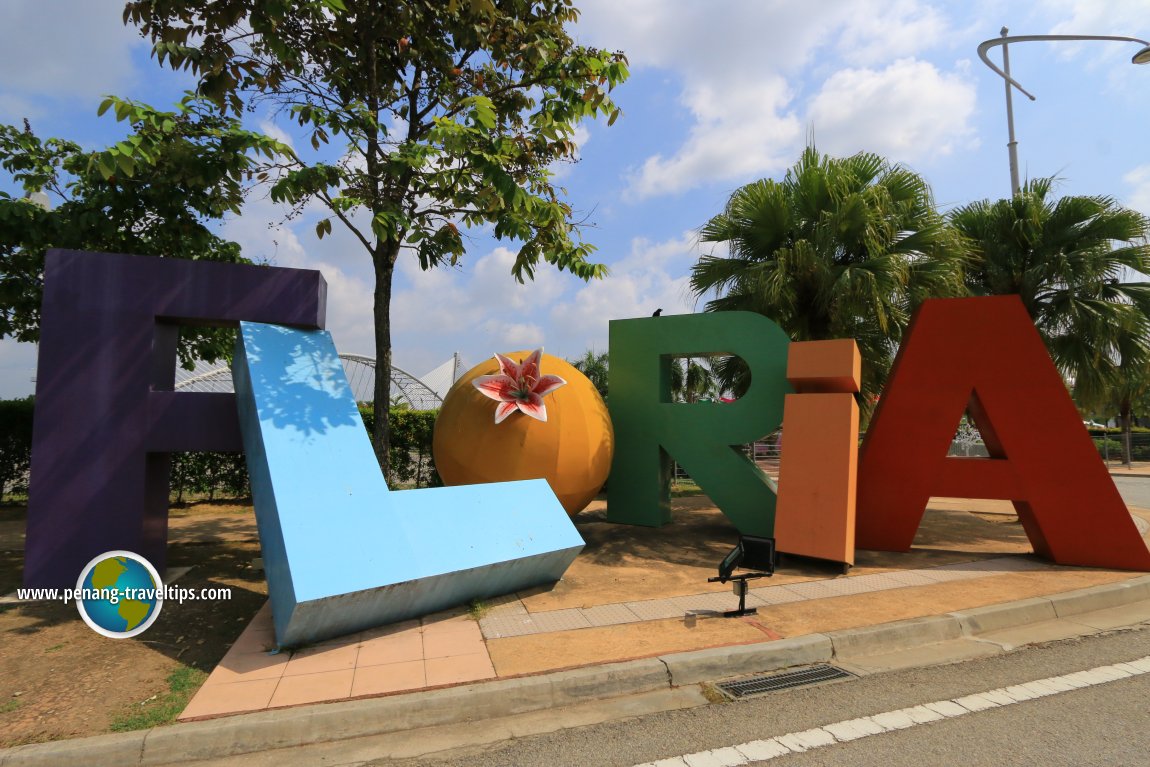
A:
[1127,395]
[451,115]
[692,381]
[839,248]
[159,191]
[1073,261]
[594,365]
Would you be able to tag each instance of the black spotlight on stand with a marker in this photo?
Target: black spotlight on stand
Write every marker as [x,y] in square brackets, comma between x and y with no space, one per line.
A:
[751,553]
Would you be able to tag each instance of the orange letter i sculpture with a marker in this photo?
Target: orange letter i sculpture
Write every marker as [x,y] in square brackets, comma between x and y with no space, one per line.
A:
[815,515]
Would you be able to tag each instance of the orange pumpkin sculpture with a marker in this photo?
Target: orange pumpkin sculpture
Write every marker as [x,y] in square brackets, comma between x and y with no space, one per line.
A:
[547,422]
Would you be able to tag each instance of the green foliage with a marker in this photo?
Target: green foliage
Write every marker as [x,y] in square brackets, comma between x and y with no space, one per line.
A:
[452,114]
[199,475]
[477,609]
[692,381]
[225,475]
[15,446]
[594,366]
[156,192]
[165,707]
[411,432]
[1108,447]
[840,248]
[1066,259]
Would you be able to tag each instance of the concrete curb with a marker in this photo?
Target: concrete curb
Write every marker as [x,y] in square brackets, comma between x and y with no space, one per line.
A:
[285,728]
[891,637]
[721,662]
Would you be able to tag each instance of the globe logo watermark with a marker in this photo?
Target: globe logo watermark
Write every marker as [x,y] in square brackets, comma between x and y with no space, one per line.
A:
[119,594]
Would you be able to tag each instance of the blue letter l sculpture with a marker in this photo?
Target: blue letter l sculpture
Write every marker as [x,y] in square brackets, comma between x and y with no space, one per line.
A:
[341,552]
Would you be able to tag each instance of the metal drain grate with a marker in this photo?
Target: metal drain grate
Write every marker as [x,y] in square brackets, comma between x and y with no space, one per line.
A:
[786,680]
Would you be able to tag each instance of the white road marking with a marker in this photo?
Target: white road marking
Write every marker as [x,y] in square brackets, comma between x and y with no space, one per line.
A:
[864,727]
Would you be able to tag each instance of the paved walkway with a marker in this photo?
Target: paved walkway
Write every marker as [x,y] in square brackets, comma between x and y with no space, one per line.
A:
[511,638]
[440,650]
[510,617]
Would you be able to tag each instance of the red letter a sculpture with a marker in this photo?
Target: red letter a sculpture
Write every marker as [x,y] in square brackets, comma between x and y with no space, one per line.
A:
[984,356]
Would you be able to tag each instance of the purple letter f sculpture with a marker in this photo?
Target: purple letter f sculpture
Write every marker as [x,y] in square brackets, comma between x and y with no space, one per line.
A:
[106,413]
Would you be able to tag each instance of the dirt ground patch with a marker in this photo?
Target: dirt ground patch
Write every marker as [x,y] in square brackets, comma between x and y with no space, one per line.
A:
[59,679]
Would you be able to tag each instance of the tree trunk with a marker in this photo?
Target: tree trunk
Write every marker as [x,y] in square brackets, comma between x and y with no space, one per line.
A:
[384,258]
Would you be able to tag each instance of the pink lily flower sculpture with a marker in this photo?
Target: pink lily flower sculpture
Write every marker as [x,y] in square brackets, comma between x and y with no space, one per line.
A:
[519,387]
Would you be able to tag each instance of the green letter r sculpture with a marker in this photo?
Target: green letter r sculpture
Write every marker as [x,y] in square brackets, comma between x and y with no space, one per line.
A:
[703,437]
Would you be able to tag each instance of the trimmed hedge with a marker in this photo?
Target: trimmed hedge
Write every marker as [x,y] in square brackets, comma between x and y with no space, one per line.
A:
[411,431]
[223,475]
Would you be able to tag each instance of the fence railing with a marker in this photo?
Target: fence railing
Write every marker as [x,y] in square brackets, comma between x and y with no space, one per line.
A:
[767,453]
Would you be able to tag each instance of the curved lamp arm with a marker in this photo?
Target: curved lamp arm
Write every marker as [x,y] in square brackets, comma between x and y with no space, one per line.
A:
[1141,57]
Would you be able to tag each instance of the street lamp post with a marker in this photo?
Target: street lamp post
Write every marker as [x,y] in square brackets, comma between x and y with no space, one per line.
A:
[1141,57]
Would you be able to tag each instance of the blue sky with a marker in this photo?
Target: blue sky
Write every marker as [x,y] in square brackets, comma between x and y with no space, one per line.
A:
[722,92]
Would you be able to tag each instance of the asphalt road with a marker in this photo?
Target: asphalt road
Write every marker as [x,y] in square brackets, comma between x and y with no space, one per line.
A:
[1103,725]
[1136,492]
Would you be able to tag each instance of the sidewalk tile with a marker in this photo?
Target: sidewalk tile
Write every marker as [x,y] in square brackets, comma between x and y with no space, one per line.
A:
[240,666]
[458,669]
[393,630]
[456,642]
[316,660]
[655,609]
[391,677]
[719,601]
[507,626]
[777,595]
[445,618]
[912,578]
[313,688]
[560,620]
[509,604]
[231,698]
[609,615]
[397,648]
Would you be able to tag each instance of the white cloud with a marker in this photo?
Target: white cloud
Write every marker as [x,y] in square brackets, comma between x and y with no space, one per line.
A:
[349,309]
[263,237]
[747,69]
[479,309]
[1139,181]
[478,306]
[1090,17]
[269,128]
[740,131]
[1109,61]
[561,170]
[902,28]
[65,49]
[907,111]
[652,276]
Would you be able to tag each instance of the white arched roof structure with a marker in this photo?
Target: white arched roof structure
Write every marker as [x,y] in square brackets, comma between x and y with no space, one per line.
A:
[360,371]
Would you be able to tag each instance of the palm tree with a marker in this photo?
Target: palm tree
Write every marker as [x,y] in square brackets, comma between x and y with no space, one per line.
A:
[594,366]
[1127,395]
[840,248]
[1067,260]
[691,382]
